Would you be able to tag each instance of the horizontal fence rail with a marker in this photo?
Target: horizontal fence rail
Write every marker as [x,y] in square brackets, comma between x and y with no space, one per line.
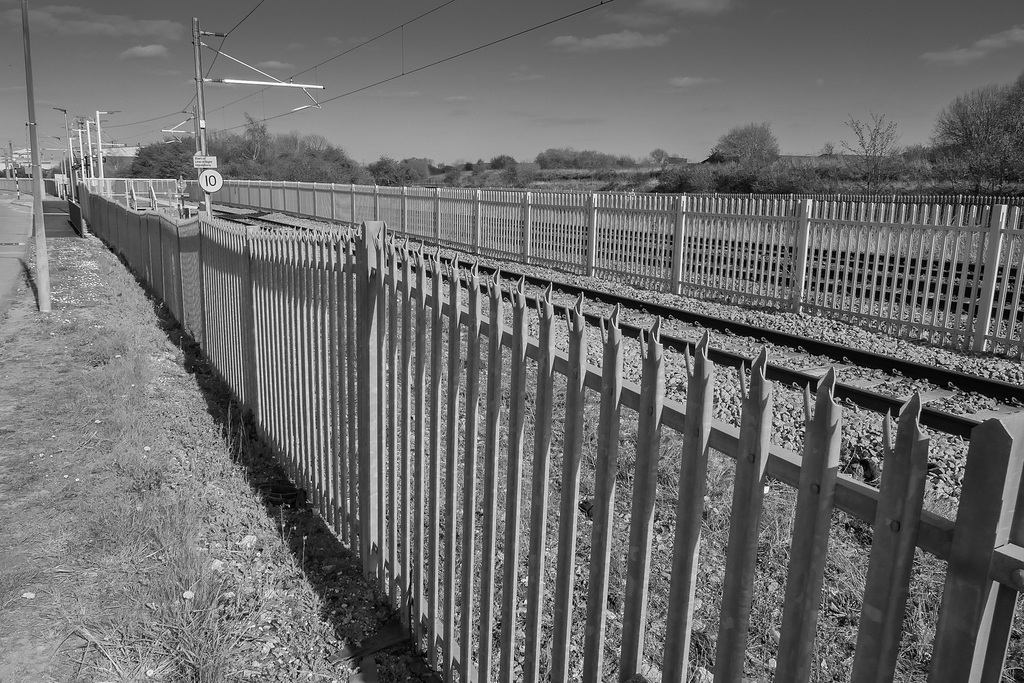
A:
[937,269]
[441,428]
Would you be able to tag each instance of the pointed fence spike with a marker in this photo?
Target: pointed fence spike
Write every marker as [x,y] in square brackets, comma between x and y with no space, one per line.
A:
[828,383]
[703,344]
[760,363]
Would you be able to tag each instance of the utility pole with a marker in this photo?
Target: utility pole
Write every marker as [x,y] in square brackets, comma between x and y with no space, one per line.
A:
[99,140]
[71,157]
[10,156]
[88,137]
[81,152]
[200,102]
[38,228]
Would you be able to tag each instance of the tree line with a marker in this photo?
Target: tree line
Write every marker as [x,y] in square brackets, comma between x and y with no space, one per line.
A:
[977,146]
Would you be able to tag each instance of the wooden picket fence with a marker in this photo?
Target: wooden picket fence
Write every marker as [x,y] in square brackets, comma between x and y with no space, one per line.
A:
[415,405]
[945,270]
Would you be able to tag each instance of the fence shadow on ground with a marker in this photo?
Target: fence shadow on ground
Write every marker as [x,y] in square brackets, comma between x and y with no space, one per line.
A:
[355,608]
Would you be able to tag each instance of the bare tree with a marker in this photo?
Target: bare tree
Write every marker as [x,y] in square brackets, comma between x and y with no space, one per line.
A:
[256,136]
[314,143]
[751,145]
[873,153]
[979,137]
[658,156]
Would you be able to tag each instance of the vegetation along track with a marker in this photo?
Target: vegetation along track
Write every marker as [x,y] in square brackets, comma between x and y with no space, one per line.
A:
[872,383]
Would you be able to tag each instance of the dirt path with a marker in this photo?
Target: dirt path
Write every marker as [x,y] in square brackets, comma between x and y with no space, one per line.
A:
[132,544]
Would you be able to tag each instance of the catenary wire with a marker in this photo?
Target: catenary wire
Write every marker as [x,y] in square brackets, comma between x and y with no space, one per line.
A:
[340,54]
[157,118]
[440,61]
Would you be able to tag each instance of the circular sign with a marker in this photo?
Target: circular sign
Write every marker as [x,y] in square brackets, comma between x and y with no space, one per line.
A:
[210,181]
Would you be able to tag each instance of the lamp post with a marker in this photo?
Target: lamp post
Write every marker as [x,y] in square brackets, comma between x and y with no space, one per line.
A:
[88,137]
[99,140]
[63,171]
[81,153]
[71,153]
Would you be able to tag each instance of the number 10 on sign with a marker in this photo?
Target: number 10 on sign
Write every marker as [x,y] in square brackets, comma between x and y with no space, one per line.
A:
[210,181]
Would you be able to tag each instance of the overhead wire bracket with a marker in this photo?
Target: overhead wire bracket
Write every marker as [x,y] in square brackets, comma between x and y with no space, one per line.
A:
[274,82]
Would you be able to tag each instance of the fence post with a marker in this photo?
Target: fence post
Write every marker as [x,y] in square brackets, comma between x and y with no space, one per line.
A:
[811,524]
[370,284]
[977,613]
[352,204]
[478,222]
[677,246]
[437,215]
[641,520]
[892,547]
[689,517]
[405,210]
[989,270]
[376,202]
[202,287]
[592,235]
[527,211]
[803,233]
[251,396]
[745,524]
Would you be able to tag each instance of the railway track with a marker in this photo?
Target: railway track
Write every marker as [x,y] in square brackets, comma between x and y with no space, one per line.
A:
[942,382]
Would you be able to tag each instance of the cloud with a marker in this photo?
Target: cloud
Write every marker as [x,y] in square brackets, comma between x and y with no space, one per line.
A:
[566,120]
[144,52]
[523,75]
[398,94]
[983,47]
[638,20]
[80,21]
[692,6]
[460,98]
[623,40]
[274,64]
[295,46]
[684,82]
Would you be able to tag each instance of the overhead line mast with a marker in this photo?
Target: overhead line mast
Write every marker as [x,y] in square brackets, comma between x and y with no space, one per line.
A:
[200,98]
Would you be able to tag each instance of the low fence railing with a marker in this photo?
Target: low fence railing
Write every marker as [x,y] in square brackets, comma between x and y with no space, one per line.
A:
[136,193]
[944,273]
[16,184]
[438,437]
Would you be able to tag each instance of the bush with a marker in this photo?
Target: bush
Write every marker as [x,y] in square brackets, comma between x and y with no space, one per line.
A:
[696,178]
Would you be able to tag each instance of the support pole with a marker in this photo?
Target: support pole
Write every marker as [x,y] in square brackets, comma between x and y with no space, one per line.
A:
[38,229]
[200,102]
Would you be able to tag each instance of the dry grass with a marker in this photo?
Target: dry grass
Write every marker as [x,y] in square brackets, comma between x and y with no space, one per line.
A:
[129,515]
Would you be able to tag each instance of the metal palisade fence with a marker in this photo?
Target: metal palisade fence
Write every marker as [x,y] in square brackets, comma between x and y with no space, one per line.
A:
[443,429]
[941,269]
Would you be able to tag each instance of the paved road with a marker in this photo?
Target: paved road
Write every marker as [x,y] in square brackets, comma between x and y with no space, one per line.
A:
[16,233]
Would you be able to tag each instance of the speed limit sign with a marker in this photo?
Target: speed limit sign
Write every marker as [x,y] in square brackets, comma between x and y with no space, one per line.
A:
[210,181]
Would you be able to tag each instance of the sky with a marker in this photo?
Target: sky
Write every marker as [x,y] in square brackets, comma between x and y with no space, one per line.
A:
[623,77]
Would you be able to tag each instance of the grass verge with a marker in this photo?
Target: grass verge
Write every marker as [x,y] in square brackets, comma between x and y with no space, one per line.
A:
[134,545]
